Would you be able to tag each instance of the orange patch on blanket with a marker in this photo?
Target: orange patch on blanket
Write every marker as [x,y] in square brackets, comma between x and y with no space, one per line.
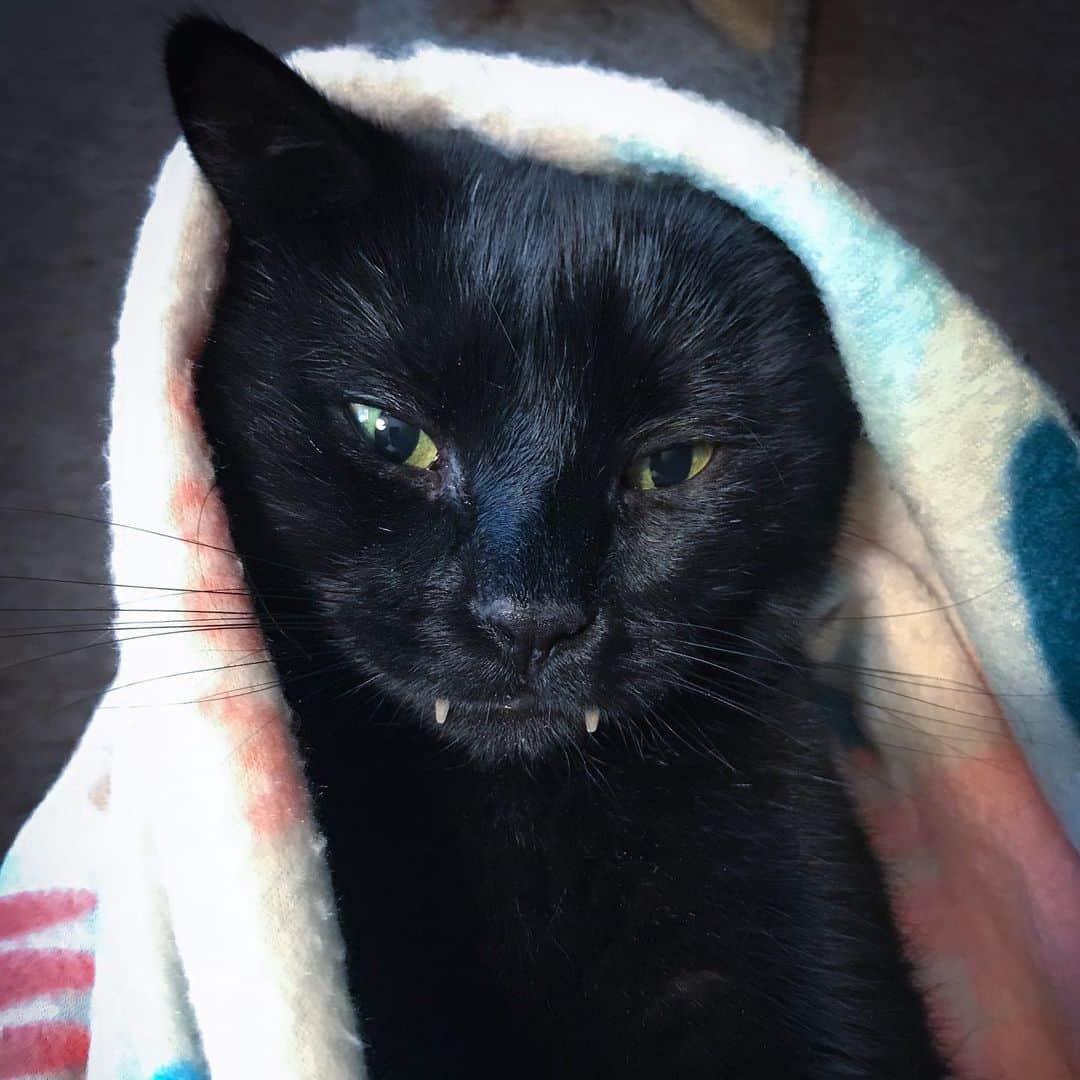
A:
[100,792]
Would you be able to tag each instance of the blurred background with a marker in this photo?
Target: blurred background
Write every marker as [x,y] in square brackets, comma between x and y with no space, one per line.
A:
[959,122]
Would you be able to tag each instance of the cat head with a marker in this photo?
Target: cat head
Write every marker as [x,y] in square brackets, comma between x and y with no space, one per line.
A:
[518,449]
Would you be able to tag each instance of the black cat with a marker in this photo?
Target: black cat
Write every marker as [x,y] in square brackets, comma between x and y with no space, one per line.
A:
[534,476]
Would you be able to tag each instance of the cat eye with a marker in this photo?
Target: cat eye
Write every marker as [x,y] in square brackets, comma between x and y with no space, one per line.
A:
[393,438]
[669,467]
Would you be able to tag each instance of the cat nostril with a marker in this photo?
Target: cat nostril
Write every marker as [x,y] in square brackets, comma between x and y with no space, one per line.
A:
[529,632]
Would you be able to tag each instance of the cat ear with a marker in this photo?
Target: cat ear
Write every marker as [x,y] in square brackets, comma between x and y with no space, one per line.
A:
[273,148]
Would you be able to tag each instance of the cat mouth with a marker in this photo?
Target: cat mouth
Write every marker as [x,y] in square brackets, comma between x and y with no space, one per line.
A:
[525,707]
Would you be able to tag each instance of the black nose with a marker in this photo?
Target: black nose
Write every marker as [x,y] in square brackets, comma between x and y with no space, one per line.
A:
[528,632]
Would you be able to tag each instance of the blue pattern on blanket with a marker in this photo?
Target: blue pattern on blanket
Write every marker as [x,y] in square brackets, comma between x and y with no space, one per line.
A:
[1044,531]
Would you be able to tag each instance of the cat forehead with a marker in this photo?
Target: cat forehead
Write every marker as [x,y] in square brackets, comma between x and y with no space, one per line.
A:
[532,328]
[536,347]
[566,296]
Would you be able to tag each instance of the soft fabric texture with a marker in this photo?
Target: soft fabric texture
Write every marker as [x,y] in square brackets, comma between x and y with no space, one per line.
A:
[166,912]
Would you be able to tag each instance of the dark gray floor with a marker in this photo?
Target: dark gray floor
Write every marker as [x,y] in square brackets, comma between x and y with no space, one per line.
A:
[960,122]
[961,127]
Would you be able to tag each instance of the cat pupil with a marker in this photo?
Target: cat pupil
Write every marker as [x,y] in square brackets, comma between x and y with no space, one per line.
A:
[395,438]
[392,438]
[671,466]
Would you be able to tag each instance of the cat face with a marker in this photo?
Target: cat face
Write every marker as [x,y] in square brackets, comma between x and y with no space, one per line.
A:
[507,445]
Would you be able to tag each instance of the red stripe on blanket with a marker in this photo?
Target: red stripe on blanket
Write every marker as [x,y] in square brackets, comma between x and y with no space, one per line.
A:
[180,386]
[267,761]
[25,912]
[43,1048]
[26,973]
[265,758]
[214,576]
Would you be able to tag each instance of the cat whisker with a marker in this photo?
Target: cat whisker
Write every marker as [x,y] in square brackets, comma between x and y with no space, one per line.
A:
[107,522]
[932,721]
[915,679]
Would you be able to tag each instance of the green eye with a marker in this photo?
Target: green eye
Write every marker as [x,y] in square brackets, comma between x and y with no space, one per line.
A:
[672,466]
[394,439]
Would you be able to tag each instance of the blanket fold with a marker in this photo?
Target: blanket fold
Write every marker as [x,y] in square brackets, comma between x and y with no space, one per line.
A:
[166,912]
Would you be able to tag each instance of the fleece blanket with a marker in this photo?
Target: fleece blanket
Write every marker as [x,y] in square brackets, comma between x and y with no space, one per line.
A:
[166,912]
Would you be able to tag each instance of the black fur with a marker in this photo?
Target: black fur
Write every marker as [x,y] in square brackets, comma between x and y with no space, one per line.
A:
[683,893]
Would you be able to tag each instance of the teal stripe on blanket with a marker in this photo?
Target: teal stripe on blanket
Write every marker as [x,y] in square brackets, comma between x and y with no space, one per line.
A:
[884,297]
[181,1070]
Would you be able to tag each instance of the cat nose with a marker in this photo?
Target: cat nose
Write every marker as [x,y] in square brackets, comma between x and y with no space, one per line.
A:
[528,632]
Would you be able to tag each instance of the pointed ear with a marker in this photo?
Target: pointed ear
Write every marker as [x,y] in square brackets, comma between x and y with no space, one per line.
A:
[273,148]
